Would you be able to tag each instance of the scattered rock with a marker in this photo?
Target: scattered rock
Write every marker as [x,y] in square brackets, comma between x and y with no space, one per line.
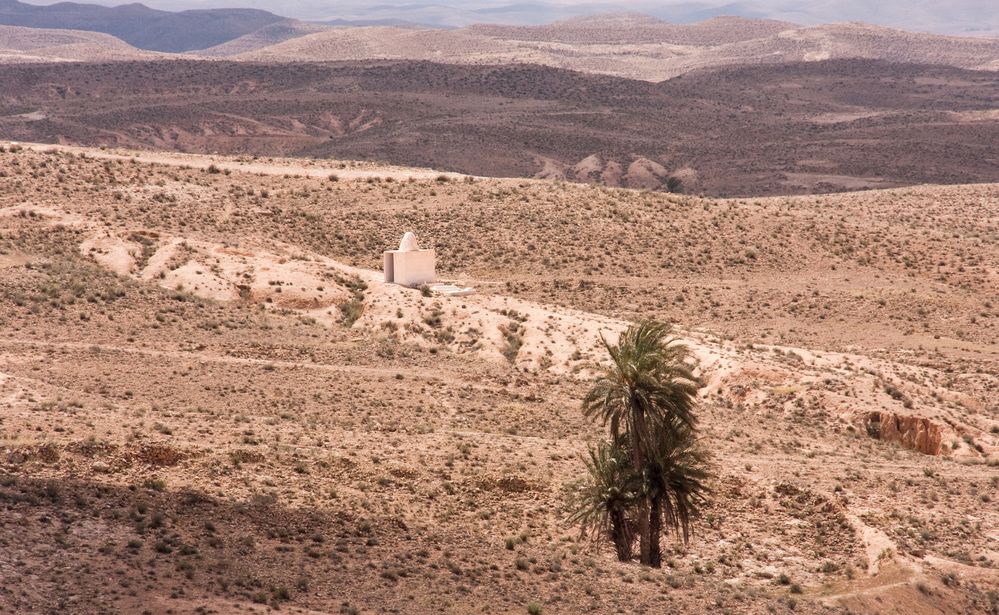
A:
[912,432]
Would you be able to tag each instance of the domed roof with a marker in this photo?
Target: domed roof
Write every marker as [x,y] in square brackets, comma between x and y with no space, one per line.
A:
[409,243]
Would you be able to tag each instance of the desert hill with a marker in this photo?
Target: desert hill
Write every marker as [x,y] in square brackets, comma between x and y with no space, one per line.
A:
[850,40]
[39,45]
[637,47]
[465,47]
[637,28]
[213,399]
[266,36]
[757,130]
[140,25]
[626,45]
[387,42]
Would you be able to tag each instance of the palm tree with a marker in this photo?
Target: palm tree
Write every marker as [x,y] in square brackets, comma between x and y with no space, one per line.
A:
[602,504]
[648,390]
[675,483]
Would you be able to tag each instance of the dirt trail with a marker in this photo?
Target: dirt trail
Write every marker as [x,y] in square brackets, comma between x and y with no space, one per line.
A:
[437,375]
[895,576]
[886,569]
[319,169]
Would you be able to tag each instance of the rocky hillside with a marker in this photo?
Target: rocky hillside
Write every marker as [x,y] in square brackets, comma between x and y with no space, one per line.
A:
[760,130]
[211,397]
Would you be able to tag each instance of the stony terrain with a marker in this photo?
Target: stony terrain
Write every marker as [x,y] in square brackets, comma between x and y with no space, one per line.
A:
[763,130]
[212,403]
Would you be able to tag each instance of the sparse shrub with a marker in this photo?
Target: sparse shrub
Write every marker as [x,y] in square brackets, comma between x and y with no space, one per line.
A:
[156,484]
[513,340]
[350,311]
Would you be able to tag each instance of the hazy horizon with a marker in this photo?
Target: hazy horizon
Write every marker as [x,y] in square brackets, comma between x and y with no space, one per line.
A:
[962,17]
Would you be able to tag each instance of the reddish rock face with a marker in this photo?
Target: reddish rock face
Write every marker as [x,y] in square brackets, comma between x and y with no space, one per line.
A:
[911,432]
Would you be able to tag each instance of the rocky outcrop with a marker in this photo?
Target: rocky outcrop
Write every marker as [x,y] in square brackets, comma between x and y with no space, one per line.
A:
[912,432]
[639,173]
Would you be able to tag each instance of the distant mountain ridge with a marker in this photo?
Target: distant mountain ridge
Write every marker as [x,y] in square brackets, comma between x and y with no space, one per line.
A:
[141,26]
[954,17]
[624,44]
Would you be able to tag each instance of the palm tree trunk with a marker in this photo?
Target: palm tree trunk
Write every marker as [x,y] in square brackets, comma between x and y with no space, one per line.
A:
[620,535]
[655,532]
[643,534]
[638,463]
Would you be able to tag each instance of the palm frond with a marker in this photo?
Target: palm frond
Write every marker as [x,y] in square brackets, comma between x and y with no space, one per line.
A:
[650,384]
[610,486]
[677,473]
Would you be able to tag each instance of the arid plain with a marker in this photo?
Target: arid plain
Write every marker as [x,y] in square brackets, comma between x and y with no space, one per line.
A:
[212,403]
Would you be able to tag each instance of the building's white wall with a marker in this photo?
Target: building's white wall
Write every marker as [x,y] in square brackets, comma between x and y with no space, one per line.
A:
[412,268]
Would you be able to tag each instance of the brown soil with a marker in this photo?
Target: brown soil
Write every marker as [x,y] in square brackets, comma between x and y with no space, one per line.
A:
[171,444]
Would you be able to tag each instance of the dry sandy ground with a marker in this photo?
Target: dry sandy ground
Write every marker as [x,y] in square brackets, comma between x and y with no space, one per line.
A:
[212,402]
[296,167]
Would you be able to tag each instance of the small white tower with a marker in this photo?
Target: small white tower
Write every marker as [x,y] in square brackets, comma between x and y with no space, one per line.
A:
[409,265]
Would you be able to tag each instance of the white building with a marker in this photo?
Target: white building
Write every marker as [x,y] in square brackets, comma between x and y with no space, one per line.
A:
[409,265]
